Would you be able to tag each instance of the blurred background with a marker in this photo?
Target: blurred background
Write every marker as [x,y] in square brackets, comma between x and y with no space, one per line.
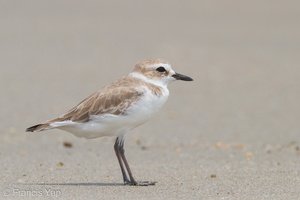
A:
[242,55]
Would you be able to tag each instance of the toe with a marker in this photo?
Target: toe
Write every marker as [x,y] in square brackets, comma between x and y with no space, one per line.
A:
[145,183]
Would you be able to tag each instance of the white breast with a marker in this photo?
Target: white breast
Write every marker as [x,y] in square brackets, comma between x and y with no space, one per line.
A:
[110,125]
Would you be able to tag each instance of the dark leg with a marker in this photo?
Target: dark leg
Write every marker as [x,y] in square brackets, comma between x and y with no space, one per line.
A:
[122,155]
[121,151]
[116,147]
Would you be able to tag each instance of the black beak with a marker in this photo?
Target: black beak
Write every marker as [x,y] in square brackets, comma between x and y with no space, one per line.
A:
[182,77]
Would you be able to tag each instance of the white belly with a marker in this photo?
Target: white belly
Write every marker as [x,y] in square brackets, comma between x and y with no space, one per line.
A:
[115,125]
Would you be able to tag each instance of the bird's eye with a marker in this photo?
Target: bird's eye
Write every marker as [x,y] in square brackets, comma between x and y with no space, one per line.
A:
[161,69]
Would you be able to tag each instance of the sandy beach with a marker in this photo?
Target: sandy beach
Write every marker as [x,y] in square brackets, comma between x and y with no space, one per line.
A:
[232,133]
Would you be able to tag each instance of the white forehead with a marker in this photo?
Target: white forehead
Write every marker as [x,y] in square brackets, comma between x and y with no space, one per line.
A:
[157,65]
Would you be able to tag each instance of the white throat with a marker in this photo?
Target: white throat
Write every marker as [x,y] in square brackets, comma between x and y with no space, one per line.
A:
[156,82]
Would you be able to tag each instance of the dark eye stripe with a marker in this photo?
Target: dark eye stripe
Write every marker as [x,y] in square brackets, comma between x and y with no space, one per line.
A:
[161,69]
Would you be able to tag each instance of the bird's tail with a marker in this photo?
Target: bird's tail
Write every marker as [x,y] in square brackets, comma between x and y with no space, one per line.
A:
[39,127]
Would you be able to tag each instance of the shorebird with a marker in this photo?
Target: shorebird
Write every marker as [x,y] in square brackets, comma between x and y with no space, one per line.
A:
[118,108]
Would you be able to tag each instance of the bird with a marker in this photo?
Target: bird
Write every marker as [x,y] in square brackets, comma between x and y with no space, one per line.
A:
[118,108]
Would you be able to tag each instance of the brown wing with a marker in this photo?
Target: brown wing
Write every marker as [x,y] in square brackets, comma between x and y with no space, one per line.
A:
[113,99]
[107,101]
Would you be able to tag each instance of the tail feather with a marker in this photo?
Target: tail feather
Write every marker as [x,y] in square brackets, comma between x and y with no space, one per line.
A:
[38,127]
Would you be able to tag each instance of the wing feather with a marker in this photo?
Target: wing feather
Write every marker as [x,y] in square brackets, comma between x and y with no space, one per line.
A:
[113,99]
[106,101]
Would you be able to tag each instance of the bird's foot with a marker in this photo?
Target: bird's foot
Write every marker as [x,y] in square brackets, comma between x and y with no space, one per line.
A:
[139,183]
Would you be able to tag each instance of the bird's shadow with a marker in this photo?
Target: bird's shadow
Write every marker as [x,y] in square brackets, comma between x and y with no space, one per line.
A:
[74,184]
